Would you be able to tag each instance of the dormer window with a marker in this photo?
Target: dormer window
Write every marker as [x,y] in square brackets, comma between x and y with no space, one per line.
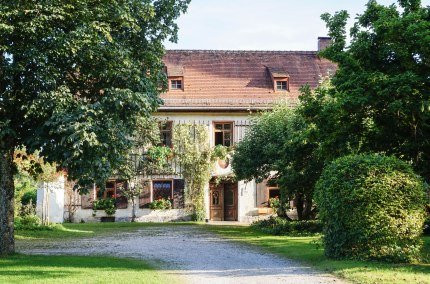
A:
[281,86]
[176,84]
[280,79]
[175,74]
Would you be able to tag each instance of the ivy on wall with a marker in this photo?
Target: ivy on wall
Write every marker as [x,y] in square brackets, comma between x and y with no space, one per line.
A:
[191,147]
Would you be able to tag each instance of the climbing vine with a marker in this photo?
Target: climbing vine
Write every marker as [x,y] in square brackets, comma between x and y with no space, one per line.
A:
[191,147]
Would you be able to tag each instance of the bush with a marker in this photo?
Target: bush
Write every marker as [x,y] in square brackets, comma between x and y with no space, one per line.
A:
[29,197]
[160,204]
[281,226]
[372,207]
[30,222]
[107,204]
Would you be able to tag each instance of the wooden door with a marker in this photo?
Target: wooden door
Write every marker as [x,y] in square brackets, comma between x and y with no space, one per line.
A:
[216,201]
[230,201]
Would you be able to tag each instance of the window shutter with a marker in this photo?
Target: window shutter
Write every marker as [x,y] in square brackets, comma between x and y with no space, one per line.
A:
[87,201]
[121,201]
[178,193]
[145,195]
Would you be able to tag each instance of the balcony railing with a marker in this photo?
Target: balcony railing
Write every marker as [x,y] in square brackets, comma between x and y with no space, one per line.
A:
[173,166]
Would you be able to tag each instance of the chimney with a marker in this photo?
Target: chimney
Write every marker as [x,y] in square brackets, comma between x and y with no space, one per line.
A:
[323,42]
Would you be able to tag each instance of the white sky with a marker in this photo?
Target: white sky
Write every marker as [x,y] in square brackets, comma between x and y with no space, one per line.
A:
[260,24]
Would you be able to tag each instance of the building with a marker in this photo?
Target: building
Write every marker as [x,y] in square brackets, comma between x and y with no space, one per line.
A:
[219,89]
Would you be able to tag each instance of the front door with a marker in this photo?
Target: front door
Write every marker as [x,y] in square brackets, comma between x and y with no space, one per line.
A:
[216,202]
[223,201]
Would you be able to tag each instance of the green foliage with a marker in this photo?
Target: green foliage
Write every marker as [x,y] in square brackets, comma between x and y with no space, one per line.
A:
[191,147]
[381,96]
[281,141]
[221,152]
[372,207]
[275,203]
[161,204]
[80,76]
[106,204]
[29,197]
[30,223]
[158,157]
[281,226]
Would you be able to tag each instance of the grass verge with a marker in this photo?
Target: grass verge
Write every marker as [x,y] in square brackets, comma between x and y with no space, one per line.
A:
[84,230]
[305,250]
[77,269]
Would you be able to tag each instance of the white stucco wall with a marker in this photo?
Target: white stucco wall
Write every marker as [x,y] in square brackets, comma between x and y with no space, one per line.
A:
[247,208]
[50,201]
[142,215]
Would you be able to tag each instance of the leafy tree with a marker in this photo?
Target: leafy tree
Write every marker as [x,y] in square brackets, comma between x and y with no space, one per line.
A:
[381,96]
[75,78]
[279,146]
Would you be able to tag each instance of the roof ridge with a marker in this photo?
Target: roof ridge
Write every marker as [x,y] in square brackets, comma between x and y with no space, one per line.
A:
[244,51]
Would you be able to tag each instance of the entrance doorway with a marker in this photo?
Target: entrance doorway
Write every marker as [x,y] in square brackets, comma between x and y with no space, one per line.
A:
[223,201]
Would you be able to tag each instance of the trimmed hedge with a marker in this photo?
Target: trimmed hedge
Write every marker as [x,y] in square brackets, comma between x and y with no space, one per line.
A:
[280,226]
[372,207]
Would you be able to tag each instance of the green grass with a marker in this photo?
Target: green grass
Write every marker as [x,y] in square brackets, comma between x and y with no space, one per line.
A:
[77,269]
[84,230]
[304,249]
[299,248]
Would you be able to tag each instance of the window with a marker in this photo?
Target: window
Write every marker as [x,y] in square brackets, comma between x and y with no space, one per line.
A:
[162,189]
[274,192]
[175,84]
[281,85]
[113,189]
[223,133]
[166,133]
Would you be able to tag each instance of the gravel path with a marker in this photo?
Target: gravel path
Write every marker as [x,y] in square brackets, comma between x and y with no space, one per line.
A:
[194,255]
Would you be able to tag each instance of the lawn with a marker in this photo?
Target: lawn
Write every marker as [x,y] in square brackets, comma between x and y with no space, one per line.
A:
[84,230]
[77,269]
[302,249]
[305,250]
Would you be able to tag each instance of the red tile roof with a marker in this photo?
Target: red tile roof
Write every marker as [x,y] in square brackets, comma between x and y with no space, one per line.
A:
[216,79]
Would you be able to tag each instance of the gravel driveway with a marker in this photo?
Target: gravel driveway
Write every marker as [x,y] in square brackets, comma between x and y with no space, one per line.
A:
[193,254]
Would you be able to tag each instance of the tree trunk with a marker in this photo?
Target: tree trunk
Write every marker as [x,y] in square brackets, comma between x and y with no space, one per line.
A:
[7,241]
[307,212]
[299,205]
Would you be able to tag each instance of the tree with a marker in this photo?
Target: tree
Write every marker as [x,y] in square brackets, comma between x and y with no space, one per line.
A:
[280,142]
[381,96]
[75,77]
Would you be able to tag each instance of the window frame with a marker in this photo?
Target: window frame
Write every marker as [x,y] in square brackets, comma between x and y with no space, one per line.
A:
[285,81]
[169,130]
[231,131]
[176,79]
[162,180]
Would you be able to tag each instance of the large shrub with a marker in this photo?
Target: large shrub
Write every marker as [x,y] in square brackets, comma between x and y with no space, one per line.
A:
[372,207]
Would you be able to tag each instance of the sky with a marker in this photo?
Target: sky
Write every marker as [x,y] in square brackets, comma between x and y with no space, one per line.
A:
[260,24]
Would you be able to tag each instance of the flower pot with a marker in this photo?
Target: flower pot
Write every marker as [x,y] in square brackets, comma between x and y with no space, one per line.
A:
[223,163]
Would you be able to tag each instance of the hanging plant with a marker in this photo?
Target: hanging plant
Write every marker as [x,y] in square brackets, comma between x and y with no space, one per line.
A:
[222,154]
